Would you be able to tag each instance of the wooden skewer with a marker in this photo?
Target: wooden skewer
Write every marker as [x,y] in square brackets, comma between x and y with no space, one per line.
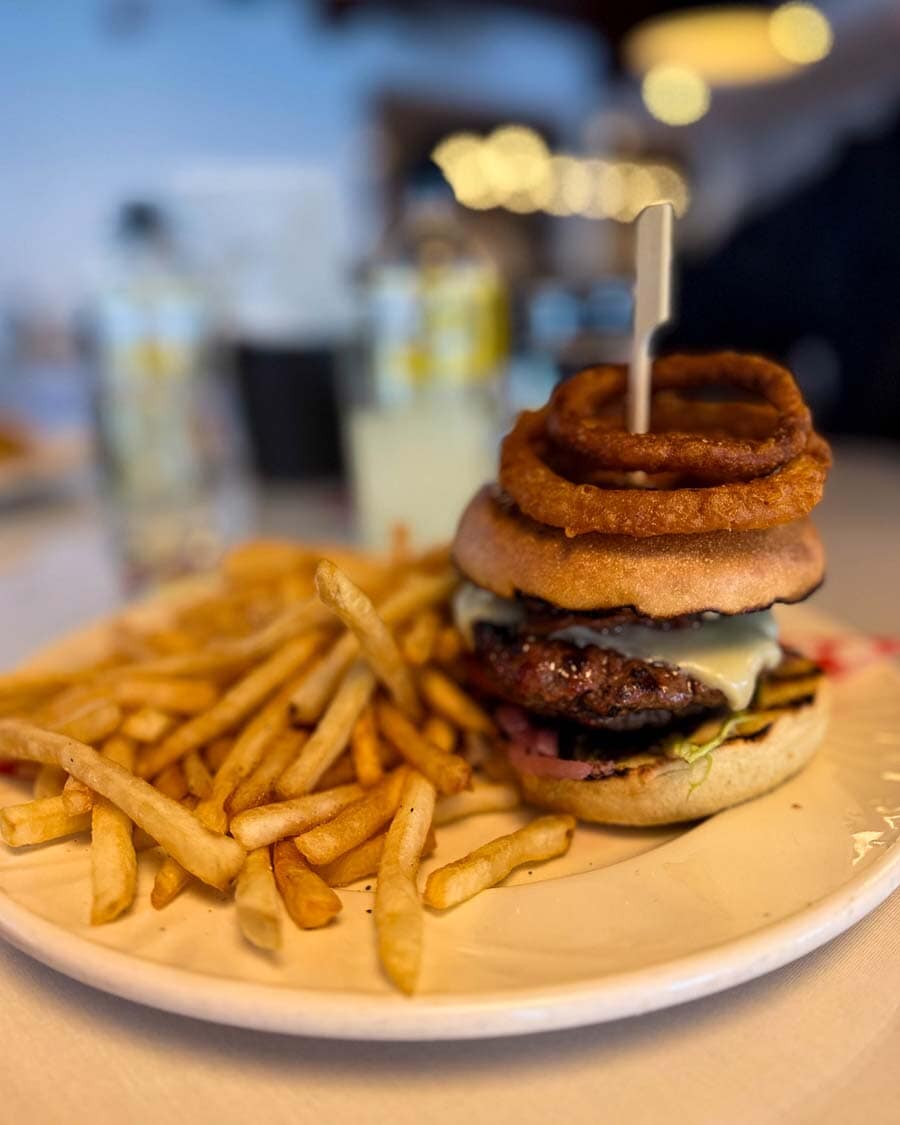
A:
[652,306]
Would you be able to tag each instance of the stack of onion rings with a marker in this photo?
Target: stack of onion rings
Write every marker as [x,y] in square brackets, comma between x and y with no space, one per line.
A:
[741,465]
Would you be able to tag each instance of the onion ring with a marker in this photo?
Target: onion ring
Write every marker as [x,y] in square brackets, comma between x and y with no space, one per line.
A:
[671,412]
[556,486]
[574,421]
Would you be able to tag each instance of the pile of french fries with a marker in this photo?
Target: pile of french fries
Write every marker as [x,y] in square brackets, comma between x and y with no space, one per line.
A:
[297,727]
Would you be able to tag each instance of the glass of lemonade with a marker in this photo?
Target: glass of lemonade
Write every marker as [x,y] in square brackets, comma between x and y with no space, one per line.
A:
[422,413]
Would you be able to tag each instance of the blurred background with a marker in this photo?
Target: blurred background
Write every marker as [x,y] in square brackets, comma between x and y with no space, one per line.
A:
[290,266]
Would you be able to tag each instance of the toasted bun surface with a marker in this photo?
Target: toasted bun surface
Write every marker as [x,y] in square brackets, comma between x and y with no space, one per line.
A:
[663,794]
[730,572]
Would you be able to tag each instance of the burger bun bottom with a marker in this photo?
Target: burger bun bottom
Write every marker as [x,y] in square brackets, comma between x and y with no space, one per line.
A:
[674,791]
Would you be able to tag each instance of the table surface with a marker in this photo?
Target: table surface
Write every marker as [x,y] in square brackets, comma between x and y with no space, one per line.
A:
[816,1042]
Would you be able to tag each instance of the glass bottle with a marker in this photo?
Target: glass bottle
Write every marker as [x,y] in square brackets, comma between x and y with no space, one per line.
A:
[167,435]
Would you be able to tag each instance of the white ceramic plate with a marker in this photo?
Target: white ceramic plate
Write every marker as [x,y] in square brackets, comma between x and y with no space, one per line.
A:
[630,921]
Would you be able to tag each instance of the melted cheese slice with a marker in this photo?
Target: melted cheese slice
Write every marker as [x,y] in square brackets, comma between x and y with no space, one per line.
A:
[727,653]
[471,603]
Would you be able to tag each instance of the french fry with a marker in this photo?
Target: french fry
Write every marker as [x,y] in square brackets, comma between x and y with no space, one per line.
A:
[171,879]
[294,620]
[363,860]
[376,641]
[331,736]
[266,561]
[95,722]
[418,591]
[247,751]
[167,642]
[148,725]
[417,643]
[441,732]
[185,659]
[449,646]
[76,797]
[544,838]
[257,789]
[216,753]
[21,708]
[121,750]
[172,782]
[262,560]
[247,694]
[308,899]
[354,824]
[398,908]
[232,654]
[33,685]
[401,539]
[340,772]
[256,899]
[447,698]
[230,614]
[448,772]
[373,573]
[48,782]
[39,822]
[113,859]
[295,587]
[358,863]
[212,859]
[199,779]
[68,704]
[131,645]
[257,827]
[365,750]
[221,658]
[313,695]
[182,697]
[481,799]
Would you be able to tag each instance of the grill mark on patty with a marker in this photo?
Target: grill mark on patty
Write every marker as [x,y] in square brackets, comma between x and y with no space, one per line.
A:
[589,685]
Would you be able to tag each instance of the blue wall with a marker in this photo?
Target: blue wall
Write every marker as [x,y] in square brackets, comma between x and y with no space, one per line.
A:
[87,118]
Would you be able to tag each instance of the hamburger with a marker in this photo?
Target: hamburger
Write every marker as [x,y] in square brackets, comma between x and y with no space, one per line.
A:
[635,670]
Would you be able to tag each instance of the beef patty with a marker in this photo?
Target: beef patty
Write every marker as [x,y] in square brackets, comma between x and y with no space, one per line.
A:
[597,687]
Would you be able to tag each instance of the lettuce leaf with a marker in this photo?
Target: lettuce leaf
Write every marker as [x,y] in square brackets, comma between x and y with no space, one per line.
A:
[680,746]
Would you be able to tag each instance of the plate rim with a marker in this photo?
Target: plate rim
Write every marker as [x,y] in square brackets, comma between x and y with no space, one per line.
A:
[333,1014]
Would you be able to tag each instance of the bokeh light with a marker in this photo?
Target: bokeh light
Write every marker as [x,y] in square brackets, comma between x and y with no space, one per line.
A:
[669,184]
[800,32]
[516,160]
[725,44]
[608,195]
[455,147]
[675,95]
[572,187]
[461,159]
[513,168]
